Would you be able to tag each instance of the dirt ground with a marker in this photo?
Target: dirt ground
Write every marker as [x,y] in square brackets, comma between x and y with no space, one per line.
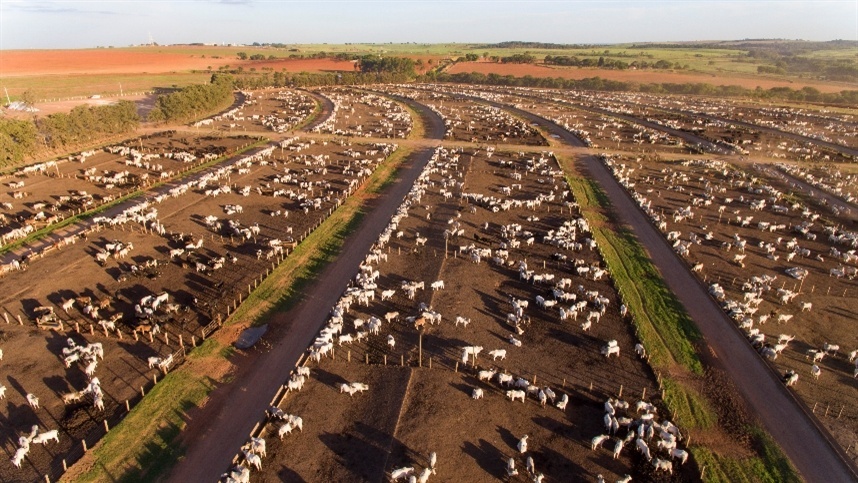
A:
[410,411]
[672,186]
[32,356]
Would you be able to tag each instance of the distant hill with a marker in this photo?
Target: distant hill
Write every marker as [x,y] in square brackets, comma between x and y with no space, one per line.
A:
[780,45]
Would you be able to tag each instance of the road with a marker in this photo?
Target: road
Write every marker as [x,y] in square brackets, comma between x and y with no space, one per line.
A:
[233,409]
[771,130]
[787,419]
[326,107]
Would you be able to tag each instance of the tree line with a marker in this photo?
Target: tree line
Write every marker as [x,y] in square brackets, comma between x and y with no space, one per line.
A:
[194,100]
[22,138]
[805,94]
[609,63]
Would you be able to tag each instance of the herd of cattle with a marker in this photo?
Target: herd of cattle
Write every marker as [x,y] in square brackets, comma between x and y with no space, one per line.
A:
[147,274]
[780,262]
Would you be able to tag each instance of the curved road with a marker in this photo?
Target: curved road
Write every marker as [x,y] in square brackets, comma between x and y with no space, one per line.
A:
[770,130]
[808,445]
[326,106]
[233,409]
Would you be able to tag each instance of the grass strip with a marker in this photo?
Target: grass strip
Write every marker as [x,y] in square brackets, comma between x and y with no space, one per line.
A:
[689,408]
[144,445]
[662,324]
[770,465]
[668,333]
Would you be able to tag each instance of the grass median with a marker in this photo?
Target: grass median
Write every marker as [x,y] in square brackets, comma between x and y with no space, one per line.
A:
[669,334]
[144,446]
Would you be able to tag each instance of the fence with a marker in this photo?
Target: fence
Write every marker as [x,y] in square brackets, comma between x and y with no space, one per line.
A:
[60,465]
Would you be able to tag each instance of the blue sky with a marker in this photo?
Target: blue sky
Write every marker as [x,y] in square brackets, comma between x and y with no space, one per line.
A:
[26,24]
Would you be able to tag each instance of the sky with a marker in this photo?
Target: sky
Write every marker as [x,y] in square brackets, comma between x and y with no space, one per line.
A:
[37,24]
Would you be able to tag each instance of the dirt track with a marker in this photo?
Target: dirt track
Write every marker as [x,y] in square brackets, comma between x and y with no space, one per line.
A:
[808,446]
[233,409]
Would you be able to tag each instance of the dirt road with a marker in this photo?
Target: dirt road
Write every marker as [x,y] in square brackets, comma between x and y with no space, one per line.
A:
[808,445]
[233,409]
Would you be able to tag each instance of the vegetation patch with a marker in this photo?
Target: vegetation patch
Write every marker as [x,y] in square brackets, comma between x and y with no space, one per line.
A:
[143,446]
[20,139]
[662,323]
[769,466]
[668,333]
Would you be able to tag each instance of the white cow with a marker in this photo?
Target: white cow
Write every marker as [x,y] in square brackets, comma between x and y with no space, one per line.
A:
[498,353]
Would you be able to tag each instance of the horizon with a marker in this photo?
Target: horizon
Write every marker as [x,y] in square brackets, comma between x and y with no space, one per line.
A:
[72,24]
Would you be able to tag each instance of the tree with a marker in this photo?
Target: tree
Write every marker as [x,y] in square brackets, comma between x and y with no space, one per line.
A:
[242,55]
[28,97]
[17,140]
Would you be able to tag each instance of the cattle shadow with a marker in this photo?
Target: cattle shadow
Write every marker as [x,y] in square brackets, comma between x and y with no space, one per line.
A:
[359,451]
[508,438]
[554,463]
[464,388]
[29,305]
[287,474]
[555,426]
[487,456]
[330,379]
[565,337]
[59,296]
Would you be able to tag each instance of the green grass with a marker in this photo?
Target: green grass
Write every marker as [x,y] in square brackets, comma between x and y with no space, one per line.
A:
[770,465]
[689,408]
[668,334]
[142,447]
[39,234]
[660,319]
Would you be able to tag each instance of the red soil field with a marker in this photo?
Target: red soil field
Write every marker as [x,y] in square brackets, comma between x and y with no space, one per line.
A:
[17,63]
[98,61]
[640,76]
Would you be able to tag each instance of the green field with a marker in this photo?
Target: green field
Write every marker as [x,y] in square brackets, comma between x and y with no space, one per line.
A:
[52,87]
